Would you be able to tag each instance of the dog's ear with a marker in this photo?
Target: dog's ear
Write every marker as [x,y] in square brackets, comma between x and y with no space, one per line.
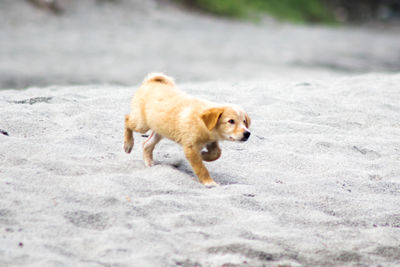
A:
[211,116]
[248,120]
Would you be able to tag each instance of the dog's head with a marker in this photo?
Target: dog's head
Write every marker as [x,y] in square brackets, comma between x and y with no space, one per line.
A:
[230,122]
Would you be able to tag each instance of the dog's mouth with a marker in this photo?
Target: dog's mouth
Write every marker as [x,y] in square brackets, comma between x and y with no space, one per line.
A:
[244,139]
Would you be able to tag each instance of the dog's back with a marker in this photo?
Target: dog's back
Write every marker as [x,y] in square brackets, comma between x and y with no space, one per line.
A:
[158,103]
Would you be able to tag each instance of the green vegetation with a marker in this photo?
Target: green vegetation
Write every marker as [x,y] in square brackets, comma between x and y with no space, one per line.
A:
[298,11]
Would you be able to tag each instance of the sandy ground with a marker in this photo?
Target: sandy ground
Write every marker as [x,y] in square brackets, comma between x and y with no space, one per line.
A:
[317,184]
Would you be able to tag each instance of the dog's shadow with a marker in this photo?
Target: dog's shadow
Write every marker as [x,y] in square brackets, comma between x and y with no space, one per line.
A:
[184,167]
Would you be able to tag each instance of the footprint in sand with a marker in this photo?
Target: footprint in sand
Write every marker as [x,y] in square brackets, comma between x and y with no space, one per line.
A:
[84,219]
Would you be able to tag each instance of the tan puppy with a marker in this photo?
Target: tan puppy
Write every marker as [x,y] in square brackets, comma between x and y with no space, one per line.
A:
[193,123]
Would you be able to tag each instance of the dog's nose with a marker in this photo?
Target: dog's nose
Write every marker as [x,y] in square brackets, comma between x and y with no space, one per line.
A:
[246,135]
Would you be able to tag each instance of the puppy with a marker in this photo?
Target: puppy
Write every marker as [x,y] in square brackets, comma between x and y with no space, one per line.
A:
[193,123]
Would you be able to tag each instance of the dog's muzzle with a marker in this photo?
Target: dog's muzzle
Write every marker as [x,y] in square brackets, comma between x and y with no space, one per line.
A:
[246,136]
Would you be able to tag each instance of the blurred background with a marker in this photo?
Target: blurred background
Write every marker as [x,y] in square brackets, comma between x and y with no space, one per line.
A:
[70,42]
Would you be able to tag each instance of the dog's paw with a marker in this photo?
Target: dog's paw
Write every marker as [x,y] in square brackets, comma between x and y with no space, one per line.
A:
[148,162]
[210,183]
[128,147]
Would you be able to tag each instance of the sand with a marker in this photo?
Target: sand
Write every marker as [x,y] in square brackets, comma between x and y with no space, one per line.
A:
[316,184]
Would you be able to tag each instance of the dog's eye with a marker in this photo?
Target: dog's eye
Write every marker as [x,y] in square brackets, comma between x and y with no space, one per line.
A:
[231,121]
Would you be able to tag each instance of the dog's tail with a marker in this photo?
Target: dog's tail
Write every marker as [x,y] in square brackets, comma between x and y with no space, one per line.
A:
[159,78]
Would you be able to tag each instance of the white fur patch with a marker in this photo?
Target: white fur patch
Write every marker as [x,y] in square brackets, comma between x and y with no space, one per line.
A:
[239,111]
[185,113]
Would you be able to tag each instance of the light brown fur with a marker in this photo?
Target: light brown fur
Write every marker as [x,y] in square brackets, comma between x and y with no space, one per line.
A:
[193,123]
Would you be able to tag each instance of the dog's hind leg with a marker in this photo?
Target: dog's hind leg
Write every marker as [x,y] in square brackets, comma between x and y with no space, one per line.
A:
[213,152]
[133,124]
[148,147]
[128,136]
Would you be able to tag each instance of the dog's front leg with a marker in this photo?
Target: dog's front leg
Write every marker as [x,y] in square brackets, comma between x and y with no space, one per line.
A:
[195,159]
[213,152]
